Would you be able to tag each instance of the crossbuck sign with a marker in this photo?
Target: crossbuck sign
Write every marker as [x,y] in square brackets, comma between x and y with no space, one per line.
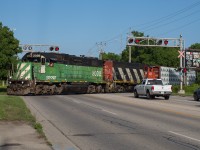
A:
[181,54]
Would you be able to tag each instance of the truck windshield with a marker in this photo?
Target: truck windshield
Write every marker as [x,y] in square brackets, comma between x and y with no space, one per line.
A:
[155,82]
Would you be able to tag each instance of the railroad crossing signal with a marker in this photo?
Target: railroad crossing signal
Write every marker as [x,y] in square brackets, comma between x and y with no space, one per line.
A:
[181,54]
[151,41]
[38,47]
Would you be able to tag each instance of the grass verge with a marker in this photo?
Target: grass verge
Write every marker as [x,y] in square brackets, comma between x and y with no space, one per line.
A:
[13,108]
[189,90]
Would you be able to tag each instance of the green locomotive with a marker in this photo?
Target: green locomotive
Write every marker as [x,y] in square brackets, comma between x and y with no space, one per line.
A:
[54,73]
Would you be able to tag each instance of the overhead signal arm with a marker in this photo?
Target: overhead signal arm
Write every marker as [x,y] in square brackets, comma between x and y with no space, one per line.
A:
[150,41]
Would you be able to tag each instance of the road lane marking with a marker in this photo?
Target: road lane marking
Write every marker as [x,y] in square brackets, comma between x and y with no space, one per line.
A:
[109,112]
[94,106]
[76,101]
[184,136]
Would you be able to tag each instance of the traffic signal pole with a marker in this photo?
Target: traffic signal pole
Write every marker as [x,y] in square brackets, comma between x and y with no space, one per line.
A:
[129,60]
[181,91]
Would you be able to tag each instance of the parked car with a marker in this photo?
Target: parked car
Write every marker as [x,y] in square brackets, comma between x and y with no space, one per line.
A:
[196,94]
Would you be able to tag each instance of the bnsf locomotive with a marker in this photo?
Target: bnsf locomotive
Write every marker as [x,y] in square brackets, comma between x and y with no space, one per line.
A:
[55,73]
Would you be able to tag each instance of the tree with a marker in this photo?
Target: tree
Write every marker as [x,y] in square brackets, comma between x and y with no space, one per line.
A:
[195,46]
[9,48]
[111,56]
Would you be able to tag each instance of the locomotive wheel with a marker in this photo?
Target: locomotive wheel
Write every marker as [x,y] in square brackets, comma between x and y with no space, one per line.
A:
[99,89]
[91,89]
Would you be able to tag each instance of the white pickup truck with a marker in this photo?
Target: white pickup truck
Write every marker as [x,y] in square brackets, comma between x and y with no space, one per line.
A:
[152,88]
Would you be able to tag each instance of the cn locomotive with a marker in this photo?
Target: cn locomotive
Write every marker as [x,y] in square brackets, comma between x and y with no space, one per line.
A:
[39,73]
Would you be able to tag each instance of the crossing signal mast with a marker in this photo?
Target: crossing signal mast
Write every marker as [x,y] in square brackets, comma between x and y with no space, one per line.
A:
[153,42]
[39,48]
[159,42]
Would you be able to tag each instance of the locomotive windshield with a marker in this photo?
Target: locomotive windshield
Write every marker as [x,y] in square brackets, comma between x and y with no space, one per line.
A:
[31,57]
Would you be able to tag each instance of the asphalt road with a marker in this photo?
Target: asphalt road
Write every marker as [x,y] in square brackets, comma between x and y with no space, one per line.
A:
[118,122]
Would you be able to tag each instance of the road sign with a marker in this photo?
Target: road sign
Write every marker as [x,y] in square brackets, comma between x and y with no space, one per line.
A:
[181,54]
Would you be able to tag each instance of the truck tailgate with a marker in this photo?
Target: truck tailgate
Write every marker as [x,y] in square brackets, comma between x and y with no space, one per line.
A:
[162,88]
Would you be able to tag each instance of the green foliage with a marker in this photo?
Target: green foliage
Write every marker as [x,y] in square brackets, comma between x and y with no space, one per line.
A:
[111,56]
[38,127]
[162,56]
[9,48]
[188,89]
[195,46]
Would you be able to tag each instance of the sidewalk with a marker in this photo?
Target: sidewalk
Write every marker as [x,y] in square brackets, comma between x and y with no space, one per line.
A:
[20,136]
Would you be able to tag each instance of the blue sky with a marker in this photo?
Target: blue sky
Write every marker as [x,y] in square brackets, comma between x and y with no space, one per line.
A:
[78,25]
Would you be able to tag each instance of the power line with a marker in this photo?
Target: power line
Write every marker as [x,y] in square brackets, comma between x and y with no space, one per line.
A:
[170,16]
[152,25]
[180,27]
[175,20]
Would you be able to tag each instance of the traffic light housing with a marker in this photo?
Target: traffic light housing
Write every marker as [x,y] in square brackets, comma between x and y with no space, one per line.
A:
[184,70]
[137,41]
[130,41]
[165,42]
[159,42]
[56,48]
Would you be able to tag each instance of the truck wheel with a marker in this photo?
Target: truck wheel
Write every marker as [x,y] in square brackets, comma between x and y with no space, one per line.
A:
[148,95]
[136,94]
[166,97]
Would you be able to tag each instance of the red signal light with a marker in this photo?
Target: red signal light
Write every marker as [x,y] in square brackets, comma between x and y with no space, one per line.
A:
[56,48]
[165,42]
[137,41]
[184,70]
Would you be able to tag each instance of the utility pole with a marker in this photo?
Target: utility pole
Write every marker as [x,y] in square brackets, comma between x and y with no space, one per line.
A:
[129,60]
[101,49]
[129,46]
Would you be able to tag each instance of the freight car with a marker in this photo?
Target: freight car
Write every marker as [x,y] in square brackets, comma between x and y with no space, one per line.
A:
[55,73]
[169,75]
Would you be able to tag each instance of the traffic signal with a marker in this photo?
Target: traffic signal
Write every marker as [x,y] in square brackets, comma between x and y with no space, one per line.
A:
[165,42]
[54,48]
[130,40]
[159,42]
[137,41]
[51,48]
[184,70]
